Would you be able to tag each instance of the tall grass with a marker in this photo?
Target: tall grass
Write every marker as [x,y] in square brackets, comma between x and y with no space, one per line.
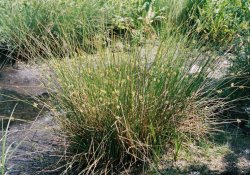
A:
[65,25]
[119,110]
[48,22]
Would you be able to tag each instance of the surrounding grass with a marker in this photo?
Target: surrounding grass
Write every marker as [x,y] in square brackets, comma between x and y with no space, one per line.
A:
[62,26]
[220,22]
[225,25]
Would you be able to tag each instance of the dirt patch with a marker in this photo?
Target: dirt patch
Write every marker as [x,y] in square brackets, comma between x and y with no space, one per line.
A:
[34,148]
[20,90]
[25,80]
[226,153]
[32,144]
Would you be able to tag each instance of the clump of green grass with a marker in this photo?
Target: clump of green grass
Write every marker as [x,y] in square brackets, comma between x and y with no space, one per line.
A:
[119,110]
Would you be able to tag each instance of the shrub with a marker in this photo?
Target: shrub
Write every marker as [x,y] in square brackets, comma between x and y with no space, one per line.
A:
[118,110]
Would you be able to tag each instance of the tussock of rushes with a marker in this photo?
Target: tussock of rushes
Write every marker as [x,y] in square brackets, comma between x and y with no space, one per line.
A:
[121,109]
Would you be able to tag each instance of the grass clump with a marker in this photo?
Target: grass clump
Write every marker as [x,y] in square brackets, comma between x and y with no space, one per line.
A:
[119,110]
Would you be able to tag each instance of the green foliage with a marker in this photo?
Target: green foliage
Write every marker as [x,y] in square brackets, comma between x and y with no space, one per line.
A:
[147,16]
[219,21]
[227,24]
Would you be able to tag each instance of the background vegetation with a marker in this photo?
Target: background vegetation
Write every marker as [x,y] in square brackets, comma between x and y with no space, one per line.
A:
[69,25]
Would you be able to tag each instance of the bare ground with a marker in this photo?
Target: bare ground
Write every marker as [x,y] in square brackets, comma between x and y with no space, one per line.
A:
[34,148]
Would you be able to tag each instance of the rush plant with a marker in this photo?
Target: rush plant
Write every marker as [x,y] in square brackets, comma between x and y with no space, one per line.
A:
[119,110]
